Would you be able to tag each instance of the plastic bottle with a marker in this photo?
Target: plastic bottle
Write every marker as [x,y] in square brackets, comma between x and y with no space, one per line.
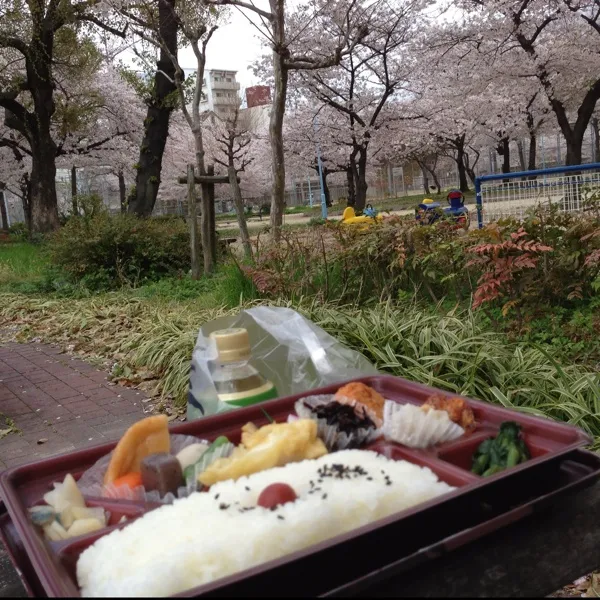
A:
[237,382]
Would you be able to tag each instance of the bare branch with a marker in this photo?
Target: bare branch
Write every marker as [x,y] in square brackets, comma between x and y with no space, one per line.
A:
[105,26]
[239,3]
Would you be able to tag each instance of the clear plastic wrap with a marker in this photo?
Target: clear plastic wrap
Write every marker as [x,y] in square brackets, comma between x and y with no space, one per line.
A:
[287,349]
[91,483]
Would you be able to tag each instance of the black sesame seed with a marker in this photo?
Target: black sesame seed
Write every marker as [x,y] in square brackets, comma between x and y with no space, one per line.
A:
[369,479]
[280,517]
[324,496]
[247,488]
[216,496]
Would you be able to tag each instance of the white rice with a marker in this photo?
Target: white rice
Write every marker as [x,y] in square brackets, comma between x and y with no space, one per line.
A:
[204,537]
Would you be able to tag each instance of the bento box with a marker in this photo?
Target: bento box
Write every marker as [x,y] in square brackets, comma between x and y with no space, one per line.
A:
[550,447]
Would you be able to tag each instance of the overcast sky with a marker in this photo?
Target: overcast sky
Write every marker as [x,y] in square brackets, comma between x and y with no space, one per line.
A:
[233,47]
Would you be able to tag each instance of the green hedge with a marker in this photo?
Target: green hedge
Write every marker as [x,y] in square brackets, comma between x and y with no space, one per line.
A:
[111,251]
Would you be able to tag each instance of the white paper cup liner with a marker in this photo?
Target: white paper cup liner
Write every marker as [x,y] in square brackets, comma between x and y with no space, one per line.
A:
[413,427]
[91,483]
[332,437]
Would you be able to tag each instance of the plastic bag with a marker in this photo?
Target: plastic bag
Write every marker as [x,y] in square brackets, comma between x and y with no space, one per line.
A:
[287,349]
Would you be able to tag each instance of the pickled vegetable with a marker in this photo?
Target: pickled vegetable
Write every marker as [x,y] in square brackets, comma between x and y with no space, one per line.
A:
[276,494]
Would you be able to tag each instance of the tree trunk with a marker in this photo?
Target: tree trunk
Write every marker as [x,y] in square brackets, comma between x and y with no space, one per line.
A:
[425,178]
[42,198]
[43,205]
[276,137]
[3,209]
[596,130]
[204,206]
[532,158]
[193,222]
[521,154]
[360,176]
[326,189]
[74,190]
[574,149]
[503,150]
[25,186]
[122,191]
[239,209]
[462,170]
[156,123]
[435,178]
[351,201]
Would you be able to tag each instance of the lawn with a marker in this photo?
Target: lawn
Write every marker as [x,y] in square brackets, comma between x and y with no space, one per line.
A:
[22,265]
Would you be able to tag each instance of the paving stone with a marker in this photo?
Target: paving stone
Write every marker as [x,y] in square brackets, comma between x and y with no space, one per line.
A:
[63,400]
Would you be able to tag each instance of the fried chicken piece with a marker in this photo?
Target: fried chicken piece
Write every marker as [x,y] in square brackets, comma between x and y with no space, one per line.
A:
[365,396]
[457,408]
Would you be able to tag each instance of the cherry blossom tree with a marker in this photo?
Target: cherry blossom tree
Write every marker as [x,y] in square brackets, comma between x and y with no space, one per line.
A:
[34,37]
[375,71]
[302,137]
[196,24]
[558,41]
[155,32]
[317,35]
[232,141]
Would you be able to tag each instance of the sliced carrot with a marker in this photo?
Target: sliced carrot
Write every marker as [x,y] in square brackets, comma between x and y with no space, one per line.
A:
[131,480]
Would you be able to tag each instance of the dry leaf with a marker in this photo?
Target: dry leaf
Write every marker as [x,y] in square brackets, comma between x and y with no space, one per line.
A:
[5,432]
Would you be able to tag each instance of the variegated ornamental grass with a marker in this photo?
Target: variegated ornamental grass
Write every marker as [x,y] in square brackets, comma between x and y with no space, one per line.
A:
[447,350]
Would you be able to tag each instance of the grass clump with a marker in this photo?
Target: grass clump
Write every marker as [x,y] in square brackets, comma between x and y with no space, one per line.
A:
[22,266]
[449,350]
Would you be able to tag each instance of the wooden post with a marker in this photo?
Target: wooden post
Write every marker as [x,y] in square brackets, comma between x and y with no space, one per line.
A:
[193,219]
[210,170]
[122,191]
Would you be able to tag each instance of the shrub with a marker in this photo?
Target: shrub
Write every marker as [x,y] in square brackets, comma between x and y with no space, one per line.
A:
[107,252]
[549,258]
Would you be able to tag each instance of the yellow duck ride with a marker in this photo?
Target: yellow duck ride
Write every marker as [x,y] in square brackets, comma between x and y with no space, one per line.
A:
[370,217]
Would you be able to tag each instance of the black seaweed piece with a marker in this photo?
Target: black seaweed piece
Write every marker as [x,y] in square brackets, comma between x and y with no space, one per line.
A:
[343,416]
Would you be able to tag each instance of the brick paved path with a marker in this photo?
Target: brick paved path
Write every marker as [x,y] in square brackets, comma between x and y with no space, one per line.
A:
[62,400]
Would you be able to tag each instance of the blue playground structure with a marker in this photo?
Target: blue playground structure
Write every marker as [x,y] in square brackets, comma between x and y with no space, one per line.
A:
[429,212]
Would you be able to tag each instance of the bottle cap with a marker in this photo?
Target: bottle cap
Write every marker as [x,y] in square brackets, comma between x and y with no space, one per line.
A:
[233,345]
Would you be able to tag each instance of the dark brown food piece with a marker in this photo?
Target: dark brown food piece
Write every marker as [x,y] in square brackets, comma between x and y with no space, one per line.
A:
[346,418]
[161,472]
[359,393]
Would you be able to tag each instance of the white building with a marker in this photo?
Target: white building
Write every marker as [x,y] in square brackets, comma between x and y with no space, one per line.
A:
[220,92]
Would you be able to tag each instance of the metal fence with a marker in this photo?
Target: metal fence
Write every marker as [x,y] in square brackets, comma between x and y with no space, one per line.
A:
[571,189]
